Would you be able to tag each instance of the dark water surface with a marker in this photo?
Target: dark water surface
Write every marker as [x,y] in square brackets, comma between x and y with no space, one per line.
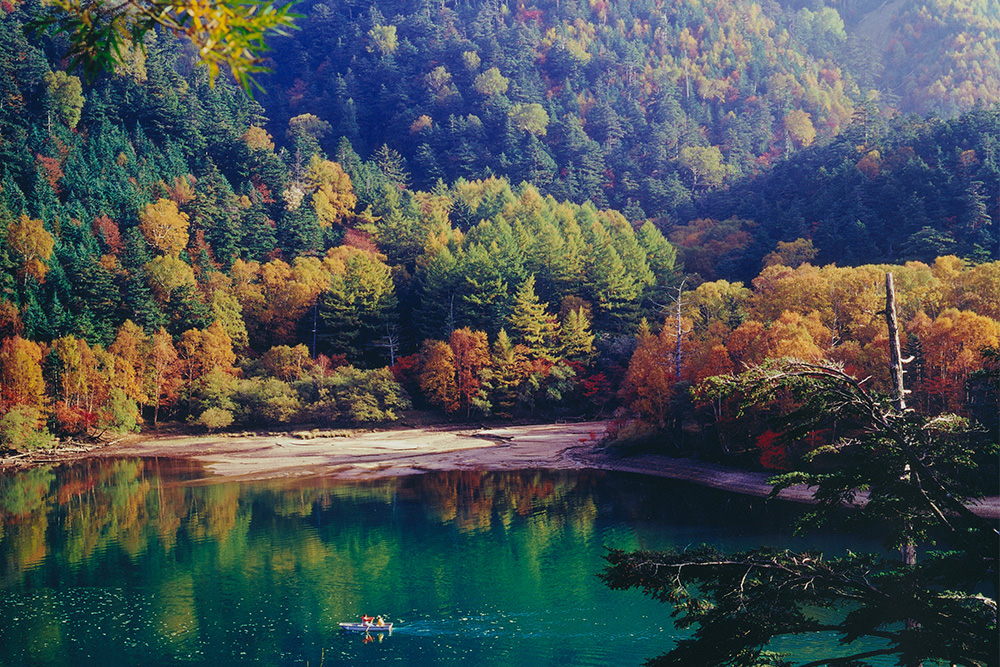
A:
[141,562]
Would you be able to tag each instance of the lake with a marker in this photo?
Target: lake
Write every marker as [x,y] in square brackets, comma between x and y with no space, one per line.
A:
[128,562]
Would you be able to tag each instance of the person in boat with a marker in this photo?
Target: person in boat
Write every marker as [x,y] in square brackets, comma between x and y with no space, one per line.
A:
[380,622]
[367,620]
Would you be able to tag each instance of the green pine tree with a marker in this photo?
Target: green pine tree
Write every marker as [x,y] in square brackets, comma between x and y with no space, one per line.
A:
[575,336]
[532,324]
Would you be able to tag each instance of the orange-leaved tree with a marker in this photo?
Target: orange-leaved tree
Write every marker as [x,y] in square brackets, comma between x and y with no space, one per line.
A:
[275,296]
[649,383]
[437,375]
[471,358]
[952,345]
[164,377]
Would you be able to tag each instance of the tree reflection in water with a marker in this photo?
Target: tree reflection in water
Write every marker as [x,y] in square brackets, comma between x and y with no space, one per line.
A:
[114,561]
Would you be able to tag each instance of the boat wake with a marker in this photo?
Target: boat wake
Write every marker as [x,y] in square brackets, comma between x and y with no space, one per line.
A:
[501,626]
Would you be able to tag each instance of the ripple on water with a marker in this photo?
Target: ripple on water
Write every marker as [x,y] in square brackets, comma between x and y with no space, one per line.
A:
[495,586]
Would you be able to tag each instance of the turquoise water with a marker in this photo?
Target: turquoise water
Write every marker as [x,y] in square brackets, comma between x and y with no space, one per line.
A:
[143,562]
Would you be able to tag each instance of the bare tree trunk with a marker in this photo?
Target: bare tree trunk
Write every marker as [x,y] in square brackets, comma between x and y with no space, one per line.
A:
[908,551]
[390,342]
[895,351]
[678,351]
[679,332]
[315,323]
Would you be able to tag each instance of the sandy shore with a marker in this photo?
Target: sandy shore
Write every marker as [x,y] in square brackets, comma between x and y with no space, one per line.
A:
[371,454]
[375,454]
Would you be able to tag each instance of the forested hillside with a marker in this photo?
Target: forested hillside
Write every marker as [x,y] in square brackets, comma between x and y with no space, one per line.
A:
[470,208]
[637,105]
[908,190]
[159,252]
[931,56]
[642,105]
[680,216]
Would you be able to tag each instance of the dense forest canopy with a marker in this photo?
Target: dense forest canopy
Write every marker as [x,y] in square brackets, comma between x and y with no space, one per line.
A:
[491,199]
[907,190]
[642,105]
[555,210]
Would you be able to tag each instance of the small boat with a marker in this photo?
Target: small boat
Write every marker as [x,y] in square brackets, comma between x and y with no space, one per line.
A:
[365,627]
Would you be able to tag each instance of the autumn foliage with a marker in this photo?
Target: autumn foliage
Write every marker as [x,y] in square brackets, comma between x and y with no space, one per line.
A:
[491,200]
[816,313]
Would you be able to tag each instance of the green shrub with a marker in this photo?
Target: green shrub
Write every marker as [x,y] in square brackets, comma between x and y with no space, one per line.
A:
[121,413]
[354,396]
[214,419]
[369,396]
[266,401]
[21,429]
[213,390]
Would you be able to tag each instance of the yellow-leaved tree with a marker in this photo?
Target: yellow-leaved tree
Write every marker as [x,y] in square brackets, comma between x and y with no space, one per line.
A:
[164,226]
[799,126]
[163,379]
[333,197]
[131,357]
[22,396]
[29,239]
[206,350]
[21,380]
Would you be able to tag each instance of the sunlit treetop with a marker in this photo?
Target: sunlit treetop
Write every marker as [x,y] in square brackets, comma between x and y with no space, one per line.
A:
[228,34]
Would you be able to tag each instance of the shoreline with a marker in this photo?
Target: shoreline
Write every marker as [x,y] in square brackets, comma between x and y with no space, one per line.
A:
[363,455]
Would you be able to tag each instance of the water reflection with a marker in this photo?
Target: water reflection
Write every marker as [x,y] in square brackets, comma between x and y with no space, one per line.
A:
[142,561]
